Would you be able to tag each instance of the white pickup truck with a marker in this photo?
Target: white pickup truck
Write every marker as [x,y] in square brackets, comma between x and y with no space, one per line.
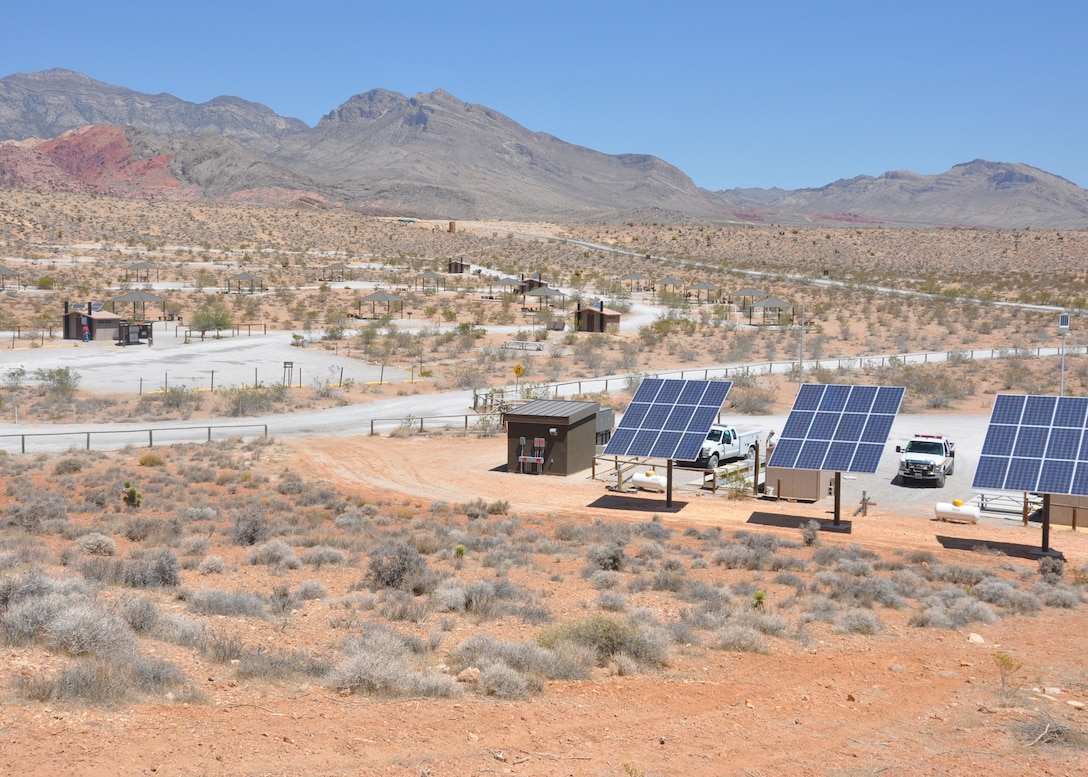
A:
[724,443]
[927,457]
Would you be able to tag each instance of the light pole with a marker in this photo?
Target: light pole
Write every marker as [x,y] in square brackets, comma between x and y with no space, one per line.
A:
[1063,330]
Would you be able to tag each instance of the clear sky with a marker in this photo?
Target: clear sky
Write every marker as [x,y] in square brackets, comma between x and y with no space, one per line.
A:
[784,93]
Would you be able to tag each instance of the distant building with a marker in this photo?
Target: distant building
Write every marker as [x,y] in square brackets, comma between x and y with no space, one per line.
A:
[595,318]
[101,324]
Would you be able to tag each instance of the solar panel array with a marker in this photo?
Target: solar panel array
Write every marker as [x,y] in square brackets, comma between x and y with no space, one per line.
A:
[1036,443]
[837,428]
[668,419]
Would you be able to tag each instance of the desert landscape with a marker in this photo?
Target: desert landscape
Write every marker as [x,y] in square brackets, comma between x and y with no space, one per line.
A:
[358,604]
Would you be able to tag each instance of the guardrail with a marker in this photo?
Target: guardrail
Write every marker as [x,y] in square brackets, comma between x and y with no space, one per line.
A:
[120,435]
[419,423]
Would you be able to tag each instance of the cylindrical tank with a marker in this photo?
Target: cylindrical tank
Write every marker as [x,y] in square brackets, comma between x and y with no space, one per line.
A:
[956,512]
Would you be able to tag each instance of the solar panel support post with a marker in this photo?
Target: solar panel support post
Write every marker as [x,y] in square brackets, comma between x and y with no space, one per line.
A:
[1046,550]
[668,485]
[838,497]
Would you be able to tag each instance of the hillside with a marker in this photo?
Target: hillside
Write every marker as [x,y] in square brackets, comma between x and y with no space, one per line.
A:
[435,156]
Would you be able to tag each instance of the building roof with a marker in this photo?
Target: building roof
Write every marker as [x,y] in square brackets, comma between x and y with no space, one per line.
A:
[565,410]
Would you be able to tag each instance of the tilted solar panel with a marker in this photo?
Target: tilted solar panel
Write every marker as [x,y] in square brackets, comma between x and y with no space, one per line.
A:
[668,419]
[837,427]
[1035,443]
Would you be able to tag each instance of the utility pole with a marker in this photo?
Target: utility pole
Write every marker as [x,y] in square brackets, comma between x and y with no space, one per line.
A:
[801,347]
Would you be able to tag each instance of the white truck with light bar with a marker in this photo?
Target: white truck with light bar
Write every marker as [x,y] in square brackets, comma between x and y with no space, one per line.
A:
[726,442]
[927,457]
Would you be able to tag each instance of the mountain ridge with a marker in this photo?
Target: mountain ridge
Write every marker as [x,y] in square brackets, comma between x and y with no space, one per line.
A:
[433,155]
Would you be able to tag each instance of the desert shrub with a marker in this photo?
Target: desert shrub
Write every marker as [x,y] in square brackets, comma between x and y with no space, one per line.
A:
[97,544]
[609,636]
[765,622]
[32,516]
[944,610]
[450,596]
[194,546]
[211,565]
[1007,596]
[1051,569]
[312,589]
[396,564]
[379,663]
[567,532]
[69,465]
[612,601]
[104,681]
[740,638]
[957,574]
[603,580]
[59,382]
[857,622]
[319,555]
[607,557]
[140,613]
[103,569]
[251,527]
[210,601]
[86,629]
[1059,595]
[138,529]
[277,665]
[810,533]
[398,605]
[151,459]
[161,571]
[275,553]
[668,580]
[503,682]
[654,530]
[534,661]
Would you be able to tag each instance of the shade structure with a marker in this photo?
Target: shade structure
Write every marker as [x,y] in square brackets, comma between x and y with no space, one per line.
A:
[749,292]
[335,272]
[381,295]
[142,271]
[5,274]
[706,286]
[544,293]
[140,297]
[246,279]
[431,278]
[504,283]
[770,304]
[635,278]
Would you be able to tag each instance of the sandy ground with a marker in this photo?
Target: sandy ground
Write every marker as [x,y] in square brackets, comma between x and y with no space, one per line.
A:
[908,701]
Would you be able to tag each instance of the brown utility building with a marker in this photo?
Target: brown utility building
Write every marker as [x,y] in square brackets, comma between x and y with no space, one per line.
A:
[101,324]
[596,318]
[551,437]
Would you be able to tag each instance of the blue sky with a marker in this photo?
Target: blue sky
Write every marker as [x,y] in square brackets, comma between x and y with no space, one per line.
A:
[758,93]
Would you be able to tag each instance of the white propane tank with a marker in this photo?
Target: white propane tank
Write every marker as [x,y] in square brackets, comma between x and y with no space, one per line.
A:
[956,512]
[649,481]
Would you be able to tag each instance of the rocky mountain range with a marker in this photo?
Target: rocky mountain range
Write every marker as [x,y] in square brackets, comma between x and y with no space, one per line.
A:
[432,155]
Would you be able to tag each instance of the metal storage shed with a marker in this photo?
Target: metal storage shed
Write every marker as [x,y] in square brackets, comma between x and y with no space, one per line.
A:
[551,437]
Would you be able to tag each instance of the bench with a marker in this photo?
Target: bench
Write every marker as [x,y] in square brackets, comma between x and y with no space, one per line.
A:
[522,345]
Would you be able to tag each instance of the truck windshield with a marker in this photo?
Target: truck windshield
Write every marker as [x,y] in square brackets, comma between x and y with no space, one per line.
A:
[714,435]
[931,448]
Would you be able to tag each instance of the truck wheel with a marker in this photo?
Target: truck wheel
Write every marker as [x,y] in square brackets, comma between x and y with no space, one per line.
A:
[951,467]
[751,452]
[712,462]
[940,479]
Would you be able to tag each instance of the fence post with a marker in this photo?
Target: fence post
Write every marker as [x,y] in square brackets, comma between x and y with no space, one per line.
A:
[371,427]
[88,440]
[209,434]
[150,438]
